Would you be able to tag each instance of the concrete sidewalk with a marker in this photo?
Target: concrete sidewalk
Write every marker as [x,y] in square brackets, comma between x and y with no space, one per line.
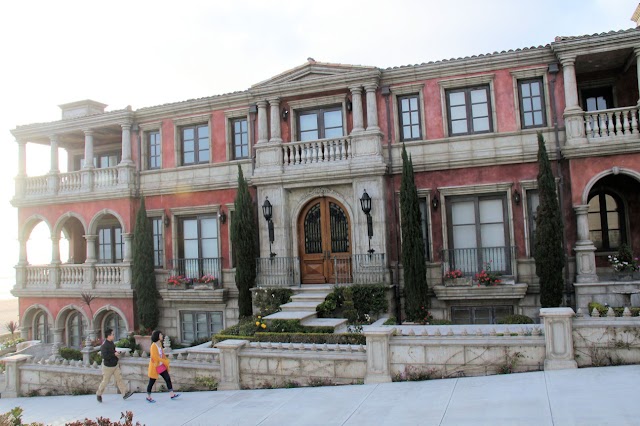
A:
[589,396]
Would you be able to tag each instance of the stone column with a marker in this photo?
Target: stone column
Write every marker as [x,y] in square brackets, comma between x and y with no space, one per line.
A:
[636,51]
[54,269]
[558,337]
[88,149]
[573,114]
[276,134]
[263,129]
[89,270]
[24,332]
[91,248]
[372,108]
[584,248]
[356,109]
[55,168]
[22,256]
[378,355]
[126,144]
[12,375]
[128,239]
[22,169]
[230,363]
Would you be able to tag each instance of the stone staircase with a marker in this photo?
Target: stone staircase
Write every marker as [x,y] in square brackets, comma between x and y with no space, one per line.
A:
[303,307]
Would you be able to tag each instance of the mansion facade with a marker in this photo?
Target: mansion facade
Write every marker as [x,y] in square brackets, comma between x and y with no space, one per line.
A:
[320,146]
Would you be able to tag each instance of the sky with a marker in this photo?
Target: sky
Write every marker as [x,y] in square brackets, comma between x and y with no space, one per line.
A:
[144,53]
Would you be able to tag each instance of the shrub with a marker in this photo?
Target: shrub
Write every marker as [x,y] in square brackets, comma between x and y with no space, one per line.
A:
[390,321]
[268,300]
[71,354]
[128,342]
[359,303]
[413,374]
[11,343]
[439,322]
[95,357]
[207,382]
[127,420]
[317,338]
[516,319]
[604,309]
[13,417]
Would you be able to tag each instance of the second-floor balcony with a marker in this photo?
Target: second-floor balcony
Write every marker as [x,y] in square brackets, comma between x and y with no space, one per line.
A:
[615,123]
[80,277]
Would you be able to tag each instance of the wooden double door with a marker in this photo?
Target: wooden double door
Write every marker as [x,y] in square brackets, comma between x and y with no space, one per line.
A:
[324,241]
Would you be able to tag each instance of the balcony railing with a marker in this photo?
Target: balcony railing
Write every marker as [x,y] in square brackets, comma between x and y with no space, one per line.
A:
[73,276]
[196,268]
[357,269]
[318,151]
[472,260]
[611,122]
[277,271]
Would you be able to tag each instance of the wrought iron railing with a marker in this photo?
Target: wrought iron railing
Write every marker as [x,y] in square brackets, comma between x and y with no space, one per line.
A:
[473,260]
[277,271]
[196,268]
[369,268]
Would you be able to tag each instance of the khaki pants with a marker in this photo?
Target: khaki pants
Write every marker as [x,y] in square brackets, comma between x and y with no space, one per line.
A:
[107,372]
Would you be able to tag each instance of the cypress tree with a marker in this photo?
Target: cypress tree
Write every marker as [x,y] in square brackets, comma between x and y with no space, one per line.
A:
[548,251]
[413,262]
[243,238]
[143,272]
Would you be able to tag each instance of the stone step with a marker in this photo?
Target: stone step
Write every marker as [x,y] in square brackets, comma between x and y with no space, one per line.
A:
[291,315]
[309,297]
[300,306]
[336,323]
[313,288]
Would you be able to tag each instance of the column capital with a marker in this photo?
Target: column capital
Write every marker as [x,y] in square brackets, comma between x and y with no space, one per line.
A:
[90,237]
[636,50]
[261,104]
[274,100]
[567,61]
[54,137]
[370,87]
[355,89]
[21,142]
[581,208]
[88,132]
[126,126]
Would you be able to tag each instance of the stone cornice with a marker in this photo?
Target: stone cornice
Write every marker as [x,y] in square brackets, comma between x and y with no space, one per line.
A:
[616,146]
[573,46]
[34,132]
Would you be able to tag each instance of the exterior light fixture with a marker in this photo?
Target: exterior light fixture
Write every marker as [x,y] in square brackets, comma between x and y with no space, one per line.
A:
[349,105]
[435,200]
[253,109]
[223,216]
[516,197]
[167,221]
[365,203]
[285,114]
[267,212]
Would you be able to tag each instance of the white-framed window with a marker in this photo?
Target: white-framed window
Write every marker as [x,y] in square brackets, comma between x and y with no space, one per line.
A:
[199,325]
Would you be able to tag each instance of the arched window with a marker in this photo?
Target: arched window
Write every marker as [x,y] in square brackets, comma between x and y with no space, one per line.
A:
[75,330]
[116,323]
[606,220]
[41,327]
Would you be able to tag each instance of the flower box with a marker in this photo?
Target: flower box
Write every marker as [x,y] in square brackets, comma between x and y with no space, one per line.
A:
[458,282]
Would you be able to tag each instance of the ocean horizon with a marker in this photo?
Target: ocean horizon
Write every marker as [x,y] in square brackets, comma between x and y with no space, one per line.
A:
[6,285]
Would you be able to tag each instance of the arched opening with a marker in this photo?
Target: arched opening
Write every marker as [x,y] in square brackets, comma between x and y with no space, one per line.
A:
[75,326]
[73,247]
[40,327]
[114,321]
[110,243]
[324,242]
[39,245]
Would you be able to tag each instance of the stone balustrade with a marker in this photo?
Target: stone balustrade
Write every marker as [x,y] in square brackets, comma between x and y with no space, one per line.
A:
[75,275]
[611,122]
[318,151]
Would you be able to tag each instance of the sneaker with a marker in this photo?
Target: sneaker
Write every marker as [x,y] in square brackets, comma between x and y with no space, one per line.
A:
[127,395]
[150,400]
[99,398]
[175,395]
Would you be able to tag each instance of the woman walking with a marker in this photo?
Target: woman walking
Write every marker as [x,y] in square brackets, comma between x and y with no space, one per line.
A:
[158,366]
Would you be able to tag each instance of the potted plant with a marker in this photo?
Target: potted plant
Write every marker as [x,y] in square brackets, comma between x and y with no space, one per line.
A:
[456,278]
[177,282]
[487,277]
[209,280]
[624,264]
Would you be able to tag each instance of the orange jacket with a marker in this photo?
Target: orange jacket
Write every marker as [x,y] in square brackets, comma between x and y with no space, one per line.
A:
[155,361]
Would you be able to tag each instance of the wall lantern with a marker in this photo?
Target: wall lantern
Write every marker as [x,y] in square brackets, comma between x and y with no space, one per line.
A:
[285,114]
[167,221]
[365,203]
[253,109]
[435,200]
[349,105]
[516,197]
[223,216]
[267,212]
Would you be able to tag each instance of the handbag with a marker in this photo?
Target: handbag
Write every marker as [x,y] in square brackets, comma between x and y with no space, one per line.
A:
[161,368]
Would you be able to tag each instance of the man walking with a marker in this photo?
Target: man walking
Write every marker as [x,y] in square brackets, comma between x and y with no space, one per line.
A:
[110,367]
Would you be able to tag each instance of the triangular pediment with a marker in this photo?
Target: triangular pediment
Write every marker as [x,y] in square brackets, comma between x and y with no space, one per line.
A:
[312,70]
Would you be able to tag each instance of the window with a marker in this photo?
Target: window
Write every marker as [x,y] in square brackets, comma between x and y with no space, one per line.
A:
[469,110]
[41,327]
[75,330]
[322,123]
[424,226]
[116,323]
[531,103]
[195,144]
[198,248]
[199,325]
[479,314]
[240,139]
[606,221]
[409,117]
[158,242]
[100,161]
[478,234]
[533,201]
[153,150]
[110,244]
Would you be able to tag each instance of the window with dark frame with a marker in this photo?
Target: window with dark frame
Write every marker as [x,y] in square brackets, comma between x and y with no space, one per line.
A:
[75,330]
[606,218]
[110,244]
[41,327]
[117,324]
[158,242]
[153,150]
[409,108]
[240,138]
[322,123]
[424,226]
[469,110]
[199,325]
[198,246]
[479,314]
[195,144]
[532,103]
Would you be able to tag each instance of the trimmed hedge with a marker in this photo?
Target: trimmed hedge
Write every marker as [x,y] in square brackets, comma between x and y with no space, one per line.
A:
[516,319]
[618,311]
[71,354]
[317,338]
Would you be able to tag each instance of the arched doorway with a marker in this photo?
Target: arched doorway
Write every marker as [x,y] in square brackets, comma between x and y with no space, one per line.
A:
[324,242]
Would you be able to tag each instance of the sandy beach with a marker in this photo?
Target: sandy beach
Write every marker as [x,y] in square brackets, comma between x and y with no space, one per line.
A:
[8,312]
